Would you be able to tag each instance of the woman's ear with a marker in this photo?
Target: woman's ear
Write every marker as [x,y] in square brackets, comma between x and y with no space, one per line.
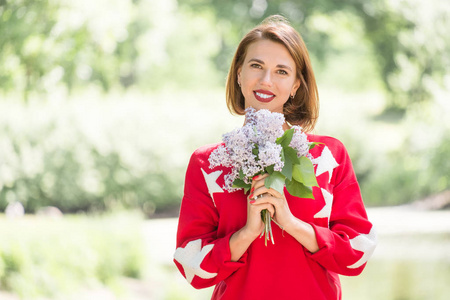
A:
[295,87]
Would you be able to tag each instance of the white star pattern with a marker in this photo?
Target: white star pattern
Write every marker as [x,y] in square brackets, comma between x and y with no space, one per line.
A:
[325,163]
[326,210]
[191,256]
[365,243]
[210,179]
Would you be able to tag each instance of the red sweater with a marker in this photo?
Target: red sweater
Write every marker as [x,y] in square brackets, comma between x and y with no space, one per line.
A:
[209,215]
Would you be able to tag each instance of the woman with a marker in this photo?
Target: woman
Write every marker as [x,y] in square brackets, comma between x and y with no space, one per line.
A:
[218,232]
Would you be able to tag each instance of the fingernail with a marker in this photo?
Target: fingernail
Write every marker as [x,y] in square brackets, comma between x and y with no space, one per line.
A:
[252,201]
[251,191]
[251,196]
[255,177]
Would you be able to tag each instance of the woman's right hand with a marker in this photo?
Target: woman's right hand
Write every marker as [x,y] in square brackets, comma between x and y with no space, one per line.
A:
[255,225]
[242,239]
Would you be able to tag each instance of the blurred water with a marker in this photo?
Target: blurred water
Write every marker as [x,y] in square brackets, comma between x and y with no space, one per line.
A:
[412,259]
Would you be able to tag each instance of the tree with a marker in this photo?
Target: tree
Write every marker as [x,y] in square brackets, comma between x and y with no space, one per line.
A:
[45,43]
[389,31]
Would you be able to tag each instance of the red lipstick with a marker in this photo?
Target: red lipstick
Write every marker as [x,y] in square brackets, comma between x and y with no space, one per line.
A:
[263,95]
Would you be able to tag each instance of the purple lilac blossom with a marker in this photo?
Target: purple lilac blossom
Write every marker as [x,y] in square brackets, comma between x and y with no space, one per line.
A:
[300,141]
[270,154]
[269,126]
[229,179]
[262,128]
[219,157]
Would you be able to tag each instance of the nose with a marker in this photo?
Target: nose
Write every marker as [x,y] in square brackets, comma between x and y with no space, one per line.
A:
[266,78]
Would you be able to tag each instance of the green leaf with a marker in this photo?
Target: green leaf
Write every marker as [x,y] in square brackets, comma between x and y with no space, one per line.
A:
[298,189]
[286,138]
[270,169]
[304,172]
[275,181]
[287,168]
[313,144]
[239,183]
[255,150]
[241,175]
[292,154]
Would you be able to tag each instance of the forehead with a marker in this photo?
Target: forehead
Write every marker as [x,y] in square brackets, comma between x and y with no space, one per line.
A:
[269,52]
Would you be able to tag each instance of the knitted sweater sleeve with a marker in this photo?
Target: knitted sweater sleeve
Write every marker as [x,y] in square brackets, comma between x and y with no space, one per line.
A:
[202,255]
[350,239]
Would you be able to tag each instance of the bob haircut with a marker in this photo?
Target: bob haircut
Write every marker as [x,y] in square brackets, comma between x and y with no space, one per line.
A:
[303,109]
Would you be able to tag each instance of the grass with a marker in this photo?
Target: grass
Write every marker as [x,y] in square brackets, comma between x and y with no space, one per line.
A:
[41,257]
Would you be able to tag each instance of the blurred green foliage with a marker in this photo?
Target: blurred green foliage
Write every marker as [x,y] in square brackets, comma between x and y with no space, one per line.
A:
[109,44]
[38,258]
[405,39]
[105,154]
[46,42]
[189,43]
[72,147]
[409,174]
[88,156]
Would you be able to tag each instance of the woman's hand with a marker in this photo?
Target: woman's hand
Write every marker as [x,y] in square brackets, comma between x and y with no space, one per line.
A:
[242,239]
[255,225]
[262,197]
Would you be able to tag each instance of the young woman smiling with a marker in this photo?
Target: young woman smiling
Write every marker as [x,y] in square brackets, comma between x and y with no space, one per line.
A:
[267,76]
[218,230]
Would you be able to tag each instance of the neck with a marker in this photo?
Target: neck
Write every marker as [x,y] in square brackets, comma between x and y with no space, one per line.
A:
[286,126]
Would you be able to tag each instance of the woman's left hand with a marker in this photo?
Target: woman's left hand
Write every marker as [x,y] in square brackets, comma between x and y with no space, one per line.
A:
[263,195]
[303,232]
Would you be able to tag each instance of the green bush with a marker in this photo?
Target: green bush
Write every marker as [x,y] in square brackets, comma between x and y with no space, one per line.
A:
[109,156]
[102,153]
[408,175]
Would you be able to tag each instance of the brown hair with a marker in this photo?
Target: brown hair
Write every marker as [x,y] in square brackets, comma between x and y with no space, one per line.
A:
[303,109]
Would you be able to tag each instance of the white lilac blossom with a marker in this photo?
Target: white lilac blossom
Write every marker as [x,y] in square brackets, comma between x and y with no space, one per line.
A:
[267,125]
[253,147]
[300,142]
[269,154]
[229,179]
[219,157]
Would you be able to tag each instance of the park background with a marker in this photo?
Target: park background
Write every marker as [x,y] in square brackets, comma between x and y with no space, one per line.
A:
[103,102]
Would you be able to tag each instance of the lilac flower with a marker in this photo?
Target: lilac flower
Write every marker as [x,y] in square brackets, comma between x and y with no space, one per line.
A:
[258,135]
[219,157]
[300,142]
[268,126]
[252,149]
[229,179]
[270,154]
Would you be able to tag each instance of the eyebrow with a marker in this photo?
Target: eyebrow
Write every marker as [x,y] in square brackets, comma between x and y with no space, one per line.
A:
[261,62]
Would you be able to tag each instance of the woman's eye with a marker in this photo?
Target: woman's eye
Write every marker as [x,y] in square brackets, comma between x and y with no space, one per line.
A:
[282,72]
[255,66]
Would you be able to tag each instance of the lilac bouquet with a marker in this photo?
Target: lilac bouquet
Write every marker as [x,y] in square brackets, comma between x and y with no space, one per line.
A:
[262,146]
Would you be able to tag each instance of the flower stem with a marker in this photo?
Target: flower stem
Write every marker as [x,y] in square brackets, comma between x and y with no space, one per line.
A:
[270,228]
[267,231]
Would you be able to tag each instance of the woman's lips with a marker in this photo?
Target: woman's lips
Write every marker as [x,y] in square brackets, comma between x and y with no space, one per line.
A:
[263,96]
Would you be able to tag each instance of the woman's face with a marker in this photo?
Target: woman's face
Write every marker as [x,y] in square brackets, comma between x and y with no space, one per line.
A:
[267,76]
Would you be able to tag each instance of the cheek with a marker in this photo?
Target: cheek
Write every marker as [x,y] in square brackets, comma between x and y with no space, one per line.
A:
[248,85]
[287,87]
